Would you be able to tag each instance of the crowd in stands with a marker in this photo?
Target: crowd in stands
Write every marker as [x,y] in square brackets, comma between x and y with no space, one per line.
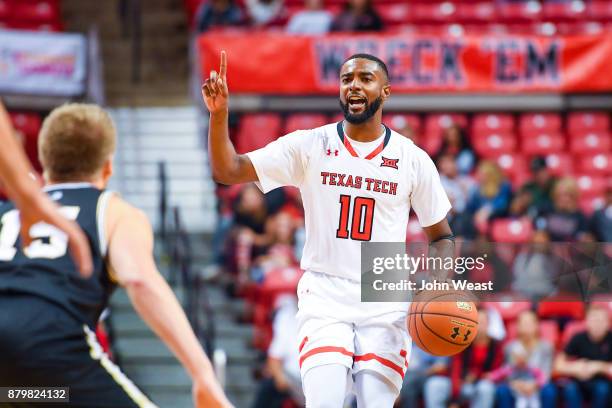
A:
[454,17]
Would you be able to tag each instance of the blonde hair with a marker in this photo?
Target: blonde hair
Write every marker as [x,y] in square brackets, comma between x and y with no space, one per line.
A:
[75,141]
[493,178]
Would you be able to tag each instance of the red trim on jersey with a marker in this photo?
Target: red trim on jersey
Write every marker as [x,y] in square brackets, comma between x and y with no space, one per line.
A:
[375,152]
[302,344]
[383,361]
[349,147]
[353,153]
[325,349]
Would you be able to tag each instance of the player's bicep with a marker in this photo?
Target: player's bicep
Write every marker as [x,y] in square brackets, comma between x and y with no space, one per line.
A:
[130,247]
[246,170]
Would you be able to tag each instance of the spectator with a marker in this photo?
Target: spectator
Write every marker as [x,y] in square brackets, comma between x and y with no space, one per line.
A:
[565,222]
[587,361]
[357,15]
[313,20]
[540,186]
[534,268]
[469,370]
[421,379]
[455,143]
[526,373]
[283,359]
[280,251]
[457,188]
[218,13]
[264,12]
[492,195]
[601,221]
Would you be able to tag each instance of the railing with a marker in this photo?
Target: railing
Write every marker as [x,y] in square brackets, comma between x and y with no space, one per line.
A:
[130,13]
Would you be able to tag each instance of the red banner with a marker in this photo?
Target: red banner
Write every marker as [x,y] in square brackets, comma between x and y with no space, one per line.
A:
[276,63]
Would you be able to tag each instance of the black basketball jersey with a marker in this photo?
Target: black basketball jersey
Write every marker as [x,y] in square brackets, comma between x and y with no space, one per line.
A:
[45,268]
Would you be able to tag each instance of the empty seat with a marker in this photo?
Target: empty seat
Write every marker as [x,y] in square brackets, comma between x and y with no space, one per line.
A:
[596,164]
[304,121]
[512,163]
[492,121]
[560,164]
[564,10]
[5,10]
[398,121]
[519,11]
[395,14]
[581,121]
[537,122]
[257,130]
[436,122]
[590,141]
[481,12]
[511,230]
[542,143]
[26,122]
[591,186]
[599,10]
[553,309]
[445,12]
[492,144]
[580,28]
[36,11]
[508,305]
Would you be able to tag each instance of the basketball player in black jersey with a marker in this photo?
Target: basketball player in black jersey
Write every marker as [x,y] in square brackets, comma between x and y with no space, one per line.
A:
[33,205]
[48,313]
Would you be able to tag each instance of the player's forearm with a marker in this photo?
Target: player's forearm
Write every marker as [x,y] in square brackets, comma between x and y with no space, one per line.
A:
[223,157]
[156,304]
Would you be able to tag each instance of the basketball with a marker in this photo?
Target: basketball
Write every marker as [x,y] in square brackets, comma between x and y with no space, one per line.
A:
[443,323]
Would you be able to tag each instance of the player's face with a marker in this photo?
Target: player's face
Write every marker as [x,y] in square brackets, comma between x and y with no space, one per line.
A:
[363,89]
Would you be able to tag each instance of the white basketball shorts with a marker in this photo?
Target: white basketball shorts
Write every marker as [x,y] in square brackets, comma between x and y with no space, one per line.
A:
[335,327]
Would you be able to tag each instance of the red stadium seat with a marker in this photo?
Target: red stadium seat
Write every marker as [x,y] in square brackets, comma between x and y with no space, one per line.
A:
[549,330]
[542,143]
[508,305]
[560,164]
[591,186]
[54,26]
[519,11]
[570,330]
[590,142]
[564,10]
[511,230]
[481,12]
[257,130]
[551,309]
[5,9]
[395,14]
[512,164]
[445,12]
[588,205]
[36,11]
[599,10]
[492,144]
[431,142]
[600,163]
[492,121]
[538,122]
[582,121]
[580,28]
[28,123]
[398,121]
[304,121]
[439,121]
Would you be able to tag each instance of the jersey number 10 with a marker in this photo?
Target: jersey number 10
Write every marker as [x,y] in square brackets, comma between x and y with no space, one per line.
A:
[47,241]
[362,217]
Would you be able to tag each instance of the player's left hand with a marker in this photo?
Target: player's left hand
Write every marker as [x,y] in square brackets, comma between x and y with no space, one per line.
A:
[36,207]
[207,393]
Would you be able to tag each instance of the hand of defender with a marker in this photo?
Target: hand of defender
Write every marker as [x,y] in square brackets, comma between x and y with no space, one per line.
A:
[207,393]
[214,90]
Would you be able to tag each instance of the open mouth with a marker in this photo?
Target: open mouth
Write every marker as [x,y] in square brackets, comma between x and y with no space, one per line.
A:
[356,102]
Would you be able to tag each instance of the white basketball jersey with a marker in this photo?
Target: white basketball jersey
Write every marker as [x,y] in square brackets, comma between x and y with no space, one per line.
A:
[348,197]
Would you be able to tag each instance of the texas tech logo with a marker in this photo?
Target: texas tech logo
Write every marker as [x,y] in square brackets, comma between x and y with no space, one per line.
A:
[389,163]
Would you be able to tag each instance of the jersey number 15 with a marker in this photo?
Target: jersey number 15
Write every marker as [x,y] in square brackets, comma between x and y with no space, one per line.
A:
[47,241]
[362,218]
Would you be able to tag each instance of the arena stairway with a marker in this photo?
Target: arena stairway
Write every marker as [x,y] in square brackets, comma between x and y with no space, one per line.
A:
[152,367]
[148,136]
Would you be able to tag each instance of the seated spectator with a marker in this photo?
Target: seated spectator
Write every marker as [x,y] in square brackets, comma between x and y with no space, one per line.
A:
[491,196]
[421,378]
[314,19]
[457,188]
[469,371]
[456,144]
[565,222]
[218,13]
[601,221]
[280,251]
[540,186]
[264,12]
[535,268]
[357,15]
[284,380]
[524,380]
[587,361]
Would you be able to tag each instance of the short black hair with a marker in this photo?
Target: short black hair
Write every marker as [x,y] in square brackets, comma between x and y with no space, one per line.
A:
[370,57]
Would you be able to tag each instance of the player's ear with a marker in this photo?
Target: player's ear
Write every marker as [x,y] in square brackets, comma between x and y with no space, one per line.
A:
[386,91]
[107,170]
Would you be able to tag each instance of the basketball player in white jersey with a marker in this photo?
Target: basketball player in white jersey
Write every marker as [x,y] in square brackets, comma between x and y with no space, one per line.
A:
[358,180]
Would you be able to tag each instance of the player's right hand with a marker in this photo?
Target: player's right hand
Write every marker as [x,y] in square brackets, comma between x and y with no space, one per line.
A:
[207,393]
[214,90]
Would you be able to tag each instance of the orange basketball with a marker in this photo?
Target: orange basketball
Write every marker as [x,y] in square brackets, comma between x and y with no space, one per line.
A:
[443,323]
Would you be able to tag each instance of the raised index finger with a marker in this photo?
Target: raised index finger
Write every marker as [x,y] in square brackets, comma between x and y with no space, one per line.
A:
[223,68]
